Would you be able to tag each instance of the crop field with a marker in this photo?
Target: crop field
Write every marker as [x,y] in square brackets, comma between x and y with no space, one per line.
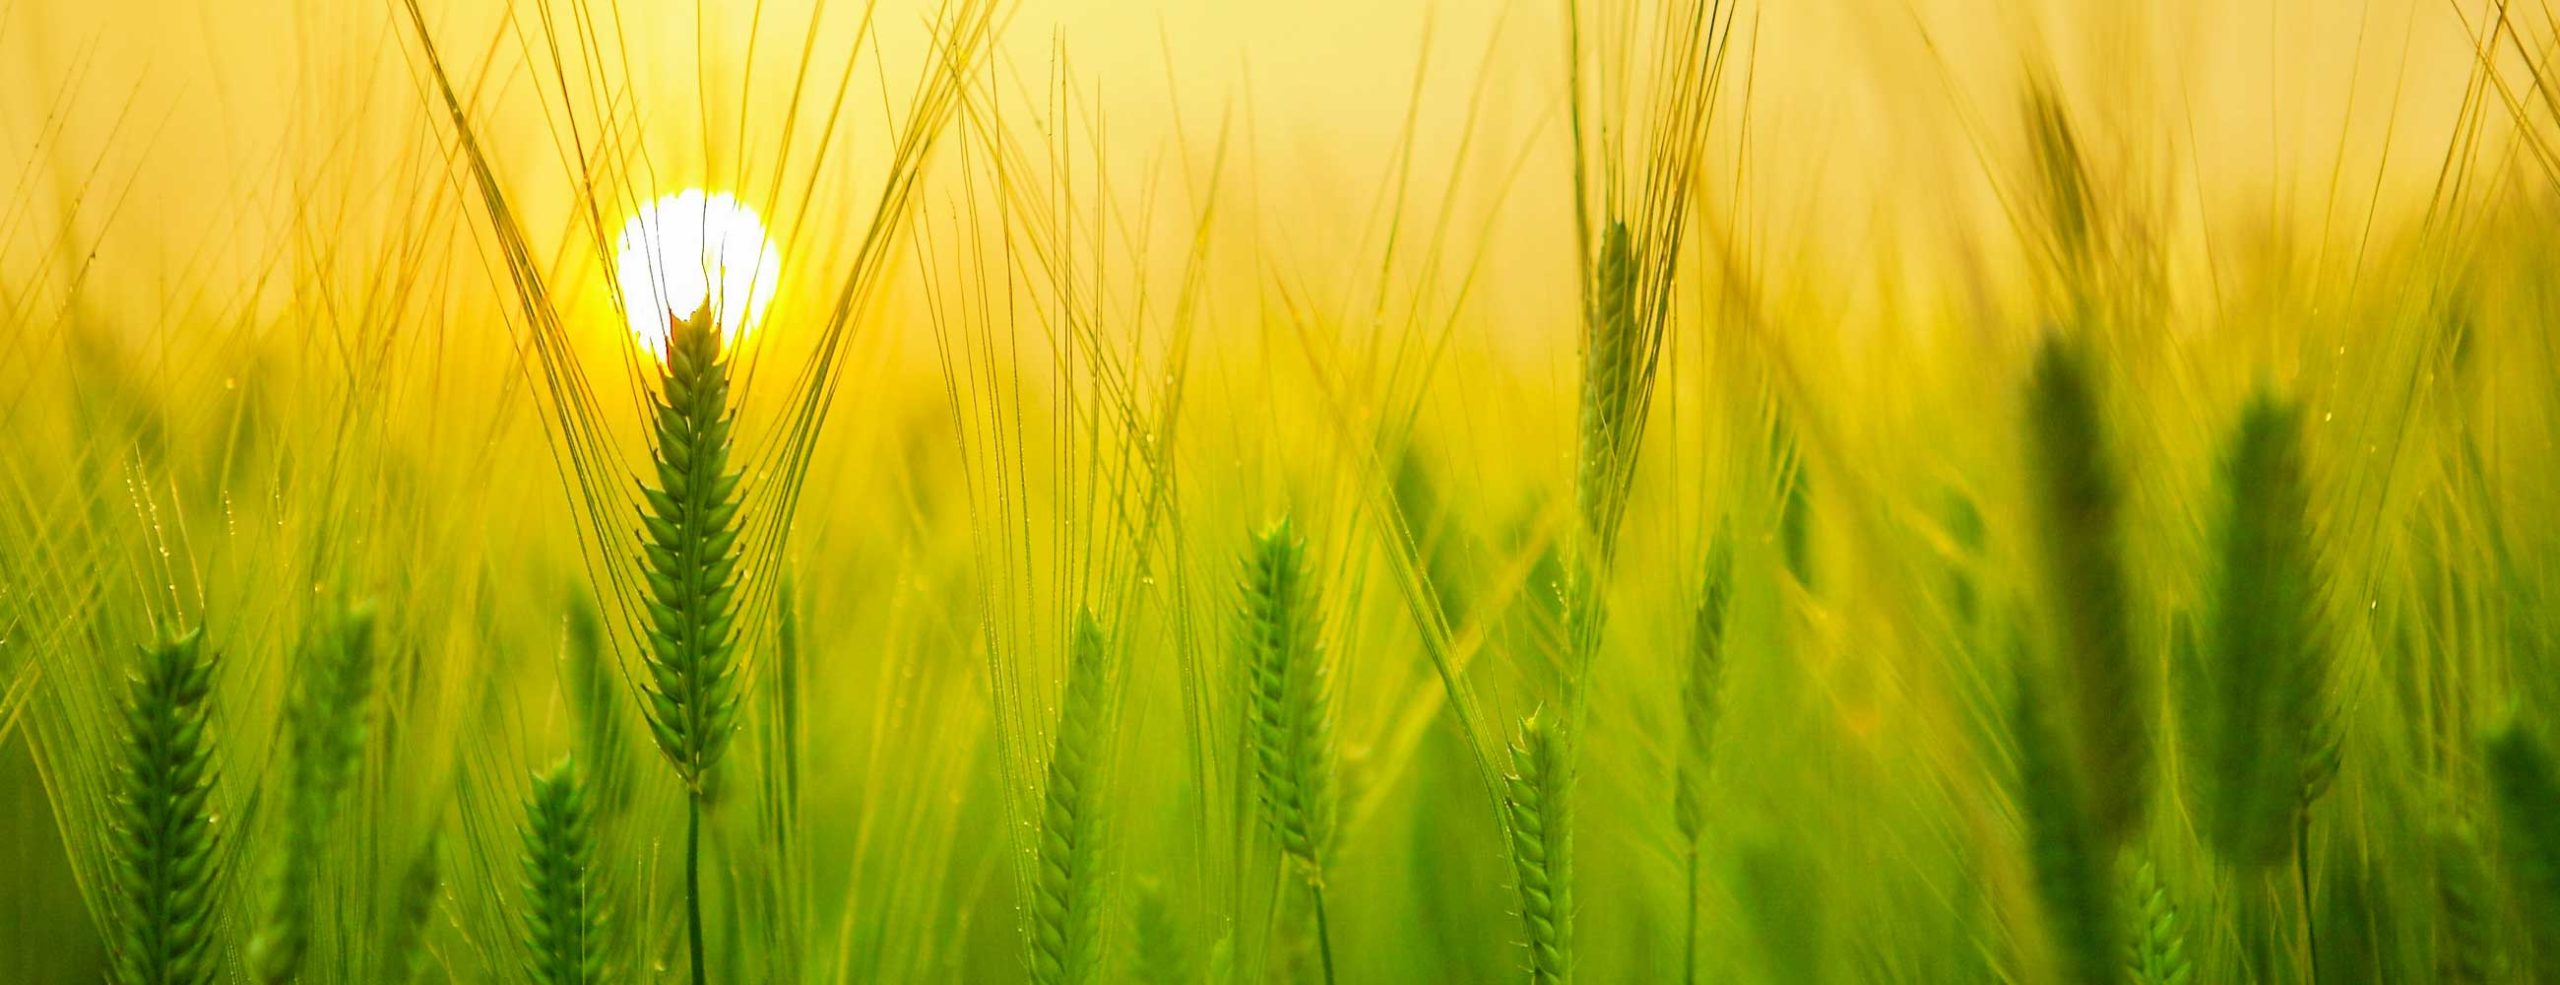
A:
[1346,491]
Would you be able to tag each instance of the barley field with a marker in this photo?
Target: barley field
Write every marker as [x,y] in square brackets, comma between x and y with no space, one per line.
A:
[1346,491]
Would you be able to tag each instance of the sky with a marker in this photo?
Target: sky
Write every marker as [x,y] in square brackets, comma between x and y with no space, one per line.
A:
[195,142]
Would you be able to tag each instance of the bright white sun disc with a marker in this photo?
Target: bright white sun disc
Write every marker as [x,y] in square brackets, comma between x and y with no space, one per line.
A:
[692,249]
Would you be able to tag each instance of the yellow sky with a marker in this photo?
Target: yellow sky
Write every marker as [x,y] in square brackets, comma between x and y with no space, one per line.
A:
[215,127]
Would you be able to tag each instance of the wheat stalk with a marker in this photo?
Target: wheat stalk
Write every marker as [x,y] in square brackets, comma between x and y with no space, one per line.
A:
[595,687]
[1162,953]
[2266,660]
[325,733]
[1068,902]
[1701,706]
[1616,360]
[164,820]
[1289,709]
[691,563]
[2527,790]
[2158,951]
[563,917]
[2465,944]
[404,950]
[1539,793]
[2064,848]
[1702,691]
[691,555]
[2079,508]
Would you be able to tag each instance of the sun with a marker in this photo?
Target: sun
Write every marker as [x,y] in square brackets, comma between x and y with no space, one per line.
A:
[689,249]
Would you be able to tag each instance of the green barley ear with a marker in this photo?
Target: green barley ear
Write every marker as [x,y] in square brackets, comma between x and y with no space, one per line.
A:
[2466,944]
[2078,504]
[691,555]
[324,739]
[2325,752]
[404,951]
[1701,705]
[1614,365]
[164,820]
[1792,474]
[564,916]
[1289,711]
[596,689]
[2265,659]
[1066,945]
[1702,690]
[2064,849]
[2068,201]
[690,559]
[1288,700]
[1966,534]
[2528,797]
[1539,795]
[325,720]
[2158,954]
[1162,954]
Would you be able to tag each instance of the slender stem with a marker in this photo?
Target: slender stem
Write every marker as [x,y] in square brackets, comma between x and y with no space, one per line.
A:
[2302,886]
[693,881]
[2270,944]
[1689,923]
[1324,929]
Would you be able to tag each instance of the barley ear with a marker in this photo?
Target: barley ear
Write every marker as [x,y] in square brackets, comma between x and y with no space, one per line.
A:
[1066,946]
[324,736]
[690,555]
[2528,796]
[2265,659]
[164,820]
[1288,703]
[595,686]
[564,916]
[1162,954]
[404,951]
[1538,794]
[1613,367]
[2466,941]
[2064,849]
[1798,528]
[1702,690]
[2068,201]
[2078,504]
[2158,952]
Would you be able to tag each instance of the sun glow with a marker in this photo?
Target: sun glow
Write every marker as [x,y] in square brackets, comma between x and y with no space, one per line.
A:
[692,249]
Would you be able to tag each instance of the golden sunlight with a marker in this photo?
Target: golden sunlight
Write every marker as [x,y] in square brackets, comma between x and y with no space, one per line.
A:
[692,249]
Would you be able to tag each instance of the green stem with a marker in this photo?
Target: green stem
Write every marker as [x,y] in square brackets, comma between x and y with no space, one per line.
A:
[2302,887]
[1324,928]
[693,881]
[1689,923]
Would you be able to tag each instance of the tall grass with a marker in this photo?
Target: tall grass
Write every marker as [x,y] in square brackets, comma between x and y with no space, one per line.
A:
[1759,506]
